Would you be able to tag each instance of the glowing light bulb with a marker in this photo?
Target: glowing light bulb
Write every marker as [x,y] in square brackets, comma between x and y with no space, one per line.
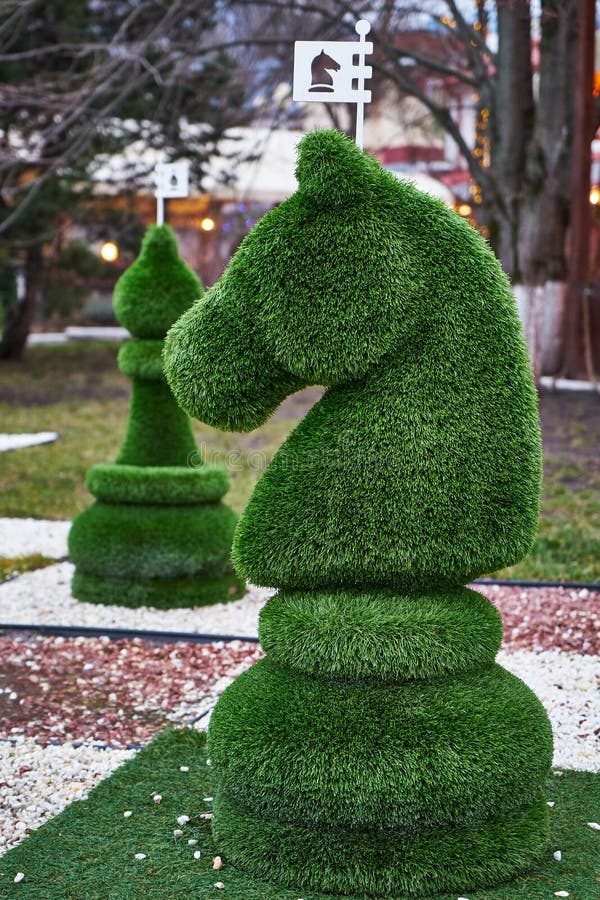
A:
[207,224]
[464,209]
[595,196]
[109,251]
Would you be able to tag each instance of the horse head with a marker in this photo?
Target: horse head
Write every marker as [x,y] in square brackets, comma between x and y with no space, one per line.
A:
[381,293]
[320,67]
[323,286]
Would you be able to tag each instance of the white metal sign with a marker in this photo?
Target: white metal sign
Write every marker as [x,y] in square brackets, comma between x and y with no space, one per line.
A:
[335,72]
[172,180]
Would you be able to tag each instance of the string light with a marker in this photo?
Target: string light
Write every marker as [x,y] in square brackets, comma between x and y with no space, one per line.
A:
[109,251]
[207,224]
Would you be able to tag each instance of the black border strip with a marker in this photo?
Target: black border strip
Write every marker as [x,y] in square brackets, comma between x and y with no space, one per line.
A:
[117,633]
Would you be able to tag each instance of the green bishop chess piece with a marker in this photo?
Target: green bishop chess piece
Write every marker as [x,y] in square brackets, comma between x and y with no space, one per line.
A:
[378,749]
[158,534]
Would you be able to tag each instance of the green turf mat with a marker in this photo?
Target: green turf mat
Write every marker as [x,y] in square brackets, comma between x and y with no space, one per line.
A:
[89,850]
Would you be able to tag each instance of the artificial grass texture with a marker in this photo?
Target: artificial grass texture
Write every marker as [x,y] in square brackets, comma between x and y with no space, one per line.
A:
[391,863]
[142,359]
[417,471]
[152,541]
[361,754]
[156,527]
[421,464]
[49,481]
[161,593]
[153,292]
[377,633]
[89,850]
[158,433]
[119,483]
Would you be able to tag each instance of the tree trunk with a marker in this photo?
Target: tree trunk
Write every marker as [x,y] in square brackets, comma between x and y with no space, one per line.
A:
[531,145]
[19,324]
[546,197]
[511,127]
[577,357]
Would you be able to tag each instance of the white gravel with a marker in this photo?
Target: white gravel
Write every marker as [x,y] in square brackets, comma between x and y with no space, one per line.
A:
[37,782]
[24,537]
[44,597]
[569,687]
[17,441]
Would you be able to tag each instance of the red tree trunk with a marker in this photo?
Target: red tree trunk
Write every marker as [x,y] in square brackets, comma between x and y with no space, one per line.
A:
[581,220]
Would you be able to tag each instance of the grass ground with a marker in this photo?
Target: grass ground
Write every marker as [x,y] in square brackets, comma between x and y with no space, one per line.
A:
[77,390]
[89,850]
[10,568]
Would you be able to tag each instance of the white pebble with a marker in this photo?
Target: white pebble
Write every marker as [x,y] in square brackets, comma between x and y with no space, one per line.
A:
[184,768]
[550,803]
[177,832]
[157,798]
[217,863]
[557,855]
[206,815]
[127,813]
[208,799]
[19,877]
[22,537]
[197,854]
[192,842]
[575,746]
[140,856]
[561,893]
[218,884]
[48,784]
[44,597]
[594,826]
[183,820]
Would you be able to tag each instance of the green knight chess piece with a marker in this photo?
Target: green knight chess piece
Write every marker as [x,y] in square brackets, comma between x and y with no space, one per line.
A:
[377,749]
[158,534]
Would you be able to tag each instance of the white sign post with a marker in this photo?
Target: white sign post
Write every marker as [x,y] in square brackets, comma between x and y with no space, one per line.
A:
[172,180]
[335,72]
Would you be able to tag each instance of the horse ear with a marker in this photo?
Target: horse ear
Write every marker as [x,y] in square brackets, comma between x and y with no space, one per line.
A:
[333,171]
[332,270]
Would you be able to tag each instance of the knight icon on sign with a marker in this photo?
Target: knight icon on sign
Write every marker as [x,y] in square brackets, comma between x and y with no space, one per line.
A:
[320,68]
[334,72]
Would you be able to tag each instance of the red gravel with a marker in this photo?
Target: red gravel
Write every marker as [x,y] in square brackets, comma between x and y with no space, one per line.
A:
[115,692]
[123,692]
[548,618]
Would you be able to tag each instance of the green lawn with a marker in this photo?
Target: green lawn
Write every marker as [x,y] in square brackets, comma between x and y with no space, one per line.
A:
[77,390]
[48,481]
